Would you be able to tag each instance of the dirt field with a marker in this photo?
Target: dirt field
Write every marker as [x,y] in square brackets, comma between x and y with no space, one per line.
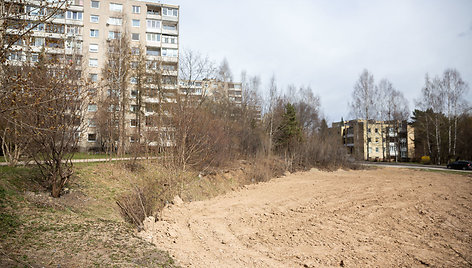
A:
[383,217]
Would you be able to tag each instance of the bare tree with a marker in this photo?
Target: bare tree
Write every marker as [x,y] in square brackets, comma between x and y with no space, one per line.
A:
[364,97]
[224,72]
[185,112]
[454,89]
[115,98]
[55,95]
[271,105]
[393,108]
[432,98]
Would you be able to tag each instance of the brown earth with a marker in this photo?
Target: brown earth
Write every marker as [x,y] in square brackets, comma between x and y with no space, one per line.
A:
[383,217]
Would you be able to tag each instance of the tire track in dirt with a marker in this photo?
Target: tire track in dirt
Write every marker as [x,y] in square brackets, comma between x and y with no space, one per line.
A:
[382,217]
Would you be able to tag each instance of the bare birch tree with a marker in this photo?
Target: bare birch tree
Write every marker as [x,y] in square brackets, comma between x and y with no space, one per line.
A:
[363,98]
[454,89]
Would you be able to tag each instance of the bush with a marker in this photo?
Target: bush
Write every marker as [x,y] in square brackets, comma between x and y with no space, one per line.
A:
[426,160]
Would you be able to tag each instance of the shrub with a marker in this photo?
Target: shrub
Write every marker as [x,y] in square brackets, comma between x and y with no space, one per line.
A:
[426,160]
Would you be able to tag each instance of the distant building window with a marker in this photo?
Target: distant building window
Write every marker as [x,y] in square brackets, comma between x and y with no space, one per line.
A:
[135,36]
[114,35]
[170,12]
[169,39]
[92,137]
[133,80]
[92,108]
[169,27]
[94,18]
[136,9]
[134,93]
[93,47]
[376,130]
[95,4]
[134,108]
[135,50]
[136,23]
[116,7]
[74,15]
[92,123]
[93,33]
[93,62]
[152,37]
[115,21]
[168,52]
[133,123]
[153,10]
[153,24]
[93,77]
[153,51]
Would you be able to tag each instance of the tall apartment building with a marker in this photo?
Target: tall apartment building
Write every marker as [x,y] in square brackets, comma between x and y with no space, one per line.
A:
[384,141]
[81,31]
[213,88]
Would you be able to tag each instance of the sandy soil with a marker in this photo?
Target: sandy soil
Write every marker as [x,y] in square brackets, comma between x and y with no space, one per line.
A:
[384,218]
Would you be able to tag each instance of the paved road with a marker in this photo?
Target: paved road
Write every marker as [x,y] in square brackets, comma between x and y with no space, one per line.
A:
[413,166]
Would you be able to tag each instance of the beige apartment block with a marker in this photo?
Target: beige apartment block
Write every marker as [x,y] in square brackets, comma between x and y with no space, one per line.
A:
[81,31]
[376,140]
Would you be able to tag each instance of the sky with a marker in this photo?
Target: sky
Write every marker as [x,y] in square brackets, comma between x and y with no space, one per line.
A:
[327,44]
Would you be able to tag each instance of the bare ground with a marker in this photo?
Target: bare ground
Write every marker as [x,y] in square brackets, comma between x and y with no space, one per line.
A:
[382,217]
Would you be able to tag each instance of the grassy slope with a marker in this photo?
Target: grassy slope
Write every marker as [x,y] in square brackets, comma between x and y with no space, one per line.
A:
[80,229]
[84,228]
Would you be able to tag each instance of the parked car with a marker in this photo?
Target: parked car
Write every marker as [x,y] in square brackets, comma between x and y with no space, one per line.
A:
[461,164]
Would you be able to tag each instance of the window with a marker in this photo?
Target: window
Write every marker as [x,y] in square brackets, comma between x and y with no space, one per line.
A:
[94,18]
[114,21]
[377,140]
[133,80]
[376,149]
[113,35]
[91,123]
[93,62]
[74,15]
[376,130]
[92,108]
[153,24]
[34,57]
[169,39]
[169,27]
[136,9]
[135,50]
[169,52]
[134,93]
[93,47]
[153,10]
[152,51]
[134,65]
[39,42]
[92,137]
[169,12]
[95,4]
[133,123]
[135,36]
[93,33]
[152,37]
[93,77]
[134,108]
[116,7]
[136,23]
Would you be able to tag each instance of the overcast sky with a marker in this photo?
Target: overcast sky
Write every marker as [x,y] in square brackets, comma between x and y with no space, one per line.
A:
[327,44]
